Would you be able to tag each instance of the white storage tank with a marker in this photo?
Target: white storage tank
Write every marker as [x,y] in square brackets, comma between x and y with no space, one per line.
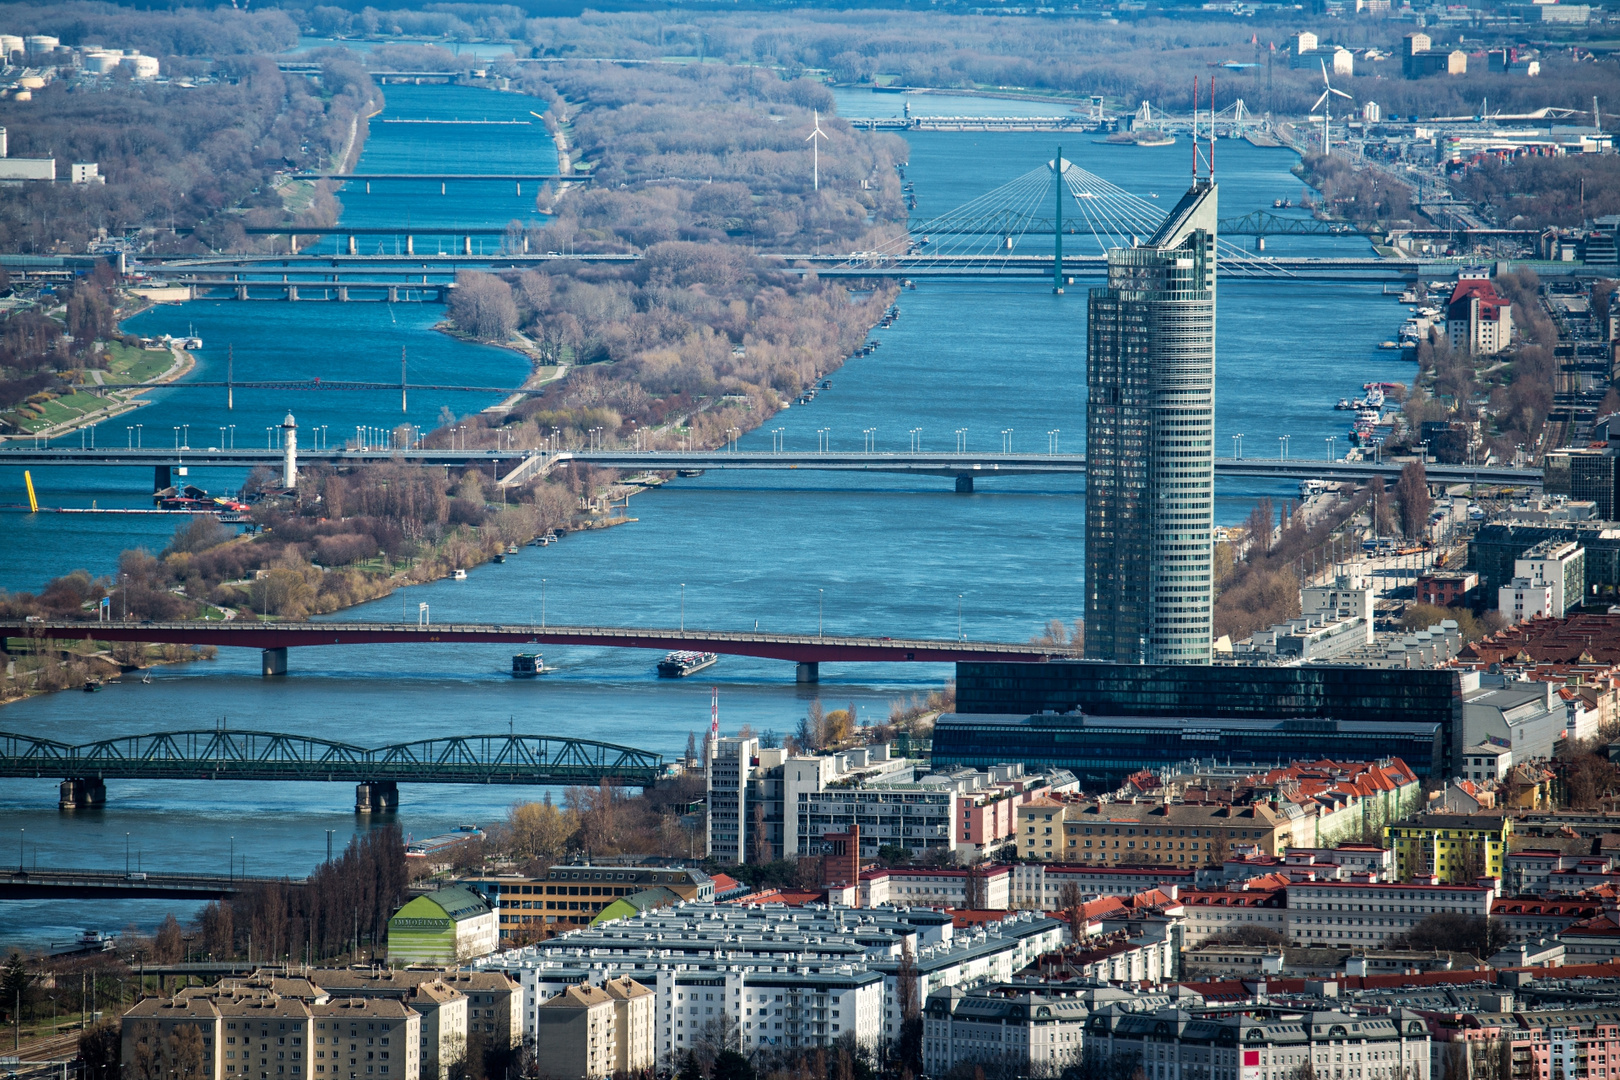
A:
[10,43]
[146,67]
[39,43]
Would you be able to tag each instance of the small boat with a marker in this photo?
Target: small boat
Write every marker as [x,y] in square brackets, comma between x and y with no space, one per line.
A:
[92,685]
[499,556]
[511,549]
[460,574]
[526,665]
[678,665]
[1344,404]
[146,680]
[1389,345]
[1153,194]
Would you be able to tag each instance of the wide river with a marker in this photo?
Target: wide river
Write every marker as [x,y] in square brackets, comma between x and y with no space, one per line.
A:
[888,556]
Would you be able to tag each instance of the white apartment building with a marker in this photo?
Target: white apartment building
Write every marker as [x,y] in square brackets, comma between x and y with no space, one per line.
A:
[1171,1043]
[1222,914]
[1040,885]
[907,815]
[1024,1033]
[1358,913]
[908,886]
[788,977]
[1548,580]
[732,762]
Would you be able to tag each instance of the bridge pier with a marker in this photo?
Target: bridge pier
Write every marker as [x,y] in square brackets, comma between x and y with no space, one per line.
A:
[354,247]
[964,485]
[161,481]
[292,292]
[466,245]
[81,793]
[241,292]
[1259,243]
[273,662]
[343,293]
[809,671]
[376,797]
[410,245]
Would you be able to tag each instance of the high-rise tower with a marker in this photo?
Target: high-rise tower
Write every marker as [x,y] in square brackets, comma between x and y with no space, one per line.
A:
[1150,443]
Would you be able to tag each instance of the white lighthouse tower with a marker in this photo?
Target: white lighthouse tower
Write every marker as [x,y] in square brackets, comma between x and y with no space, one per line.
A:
[289,460]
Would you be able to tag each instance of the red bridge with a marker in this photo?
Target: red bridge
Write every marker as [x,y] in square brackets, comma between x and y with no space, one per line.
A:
[806,650]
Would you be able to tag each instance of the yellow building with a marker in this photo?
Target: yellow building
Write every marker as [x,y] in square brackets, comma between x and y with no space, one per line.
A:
[1149,833]
[1457,849]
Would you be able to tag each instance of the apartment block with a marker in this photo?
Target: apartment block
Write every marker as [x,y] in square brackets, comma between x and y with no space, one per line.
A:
[568,897]
[1041,885]
[786,977]
[1222,914]
[731,764]
[576,1033]
[1369,913]
[1022,1031]
[1479,320]
[635,1018]
[1450,848]
[1136,833]
[981,887]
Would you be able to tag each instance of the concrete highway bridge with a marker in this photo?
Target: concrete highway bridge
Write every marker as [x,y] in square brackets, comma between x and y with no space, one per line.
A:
[806,651]
[520,466]
[429,269]
[57,883]
[223,754]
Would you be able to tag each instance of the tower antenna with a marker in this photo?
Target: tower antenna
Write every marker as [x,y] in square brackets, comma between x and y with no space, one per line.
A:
[1212,129]
[1195,128]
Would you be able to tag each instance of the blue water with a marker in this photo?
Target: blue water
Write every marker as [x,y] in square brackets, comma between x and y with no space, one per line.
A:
[883,555]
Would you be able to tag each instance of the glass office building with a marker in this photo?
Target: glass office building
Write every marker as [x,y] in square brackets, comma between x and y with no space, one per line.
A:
[1419,698]
[1150,443]
[1102,751]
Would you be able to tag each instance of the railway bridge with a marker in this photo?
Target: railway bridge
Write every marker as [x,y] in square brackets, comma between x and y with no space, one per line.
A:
[223,754]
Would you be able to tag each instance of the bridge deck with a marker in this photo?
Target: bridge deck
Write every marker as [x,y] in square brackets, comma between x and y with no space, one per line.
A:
[58,883]
[799,648]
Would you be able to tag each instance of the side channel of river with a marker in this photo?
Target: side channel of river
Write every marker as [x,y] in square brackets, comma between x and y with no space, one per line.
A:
[886,556]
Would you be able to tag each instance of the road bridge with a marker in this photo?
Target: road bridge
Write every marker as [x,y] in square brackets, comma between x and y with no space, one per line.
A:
[964,468]
[580,178]
[376,772]
[58,883]
[807,651]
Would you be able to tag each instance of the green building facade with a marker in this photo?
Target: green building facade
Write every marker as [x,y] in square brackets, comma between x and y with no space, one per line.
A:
[442,927]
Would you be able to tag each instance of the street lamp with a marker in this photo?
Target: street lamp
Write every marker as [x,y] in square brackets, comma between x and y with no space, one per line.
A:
[683,607]
[1282,447]
[1237,448]
[821,607]
[1332,441]
[961,440]
[1051,441]
[542,603]
[959,635]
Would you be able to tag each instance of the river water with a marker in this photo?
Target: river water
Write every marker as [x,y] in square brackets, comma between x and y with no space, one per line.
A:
[891,556]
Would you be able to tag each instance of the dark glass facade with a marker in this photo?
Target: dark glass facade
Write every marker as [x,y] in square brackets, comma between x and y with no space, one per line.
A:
[1103,750]
[1419,697]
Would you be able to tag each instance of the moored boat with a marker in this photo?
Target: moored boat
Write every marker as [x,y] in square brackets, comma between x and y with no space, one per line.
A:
[678,665]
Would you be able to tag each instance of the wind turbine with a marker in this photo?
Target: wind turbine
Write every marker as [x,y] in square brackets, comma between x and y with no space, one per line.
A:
[1325,103]
[815,147]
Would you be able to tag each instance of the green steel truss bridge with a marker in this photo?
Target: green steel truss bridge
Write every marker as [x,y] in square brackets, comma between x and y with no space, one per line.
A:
[224,754]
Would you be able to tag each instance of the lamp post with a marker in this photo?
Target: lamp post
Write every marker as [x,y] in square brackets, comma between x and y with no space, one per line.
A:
[1282,447]
[961,440]
[1051,441]
[1237,447]
[542,603]
[1332,441]
[821,607]
[959,635]
[683,607]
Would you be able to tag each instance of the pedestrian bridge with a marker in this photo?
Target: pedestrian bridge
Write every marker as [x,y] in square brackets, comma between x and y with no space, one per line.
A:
[224,754]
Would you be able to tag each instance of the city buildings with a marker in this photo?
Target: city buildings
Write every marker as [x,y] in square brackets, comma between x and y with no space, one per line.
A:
[1041,886]
[1189,1043]
[596,1031]
[567,897]
[1547,580]
[1370,913]
[1453,848]
[1479,320]
[1102,750]
[264,1029]
[978,887]
[786,977]
[1179,834]
[1150,443]
[1419,58]
[1015,1029]
[1105,721]
[445,926]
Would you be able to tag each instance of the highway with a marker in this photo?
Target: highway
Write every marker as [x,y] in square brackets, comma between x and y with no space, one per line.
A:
[525,465]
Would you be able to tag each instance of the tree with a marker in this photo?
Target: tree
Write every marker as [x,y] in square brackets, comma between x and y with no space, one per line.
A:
[975,892]
[99,1048]
[894,855]
[482,305]
[690,1070]
[167,944]
[1412,489]
[540,830]
[1453,931]
[1073,904]
[909,1048]
[15,985]
[730,1065]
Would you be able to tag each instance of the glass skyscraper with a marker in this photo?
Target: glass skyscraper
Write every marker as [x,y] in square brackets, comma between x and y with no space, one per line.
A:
[1150,444]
